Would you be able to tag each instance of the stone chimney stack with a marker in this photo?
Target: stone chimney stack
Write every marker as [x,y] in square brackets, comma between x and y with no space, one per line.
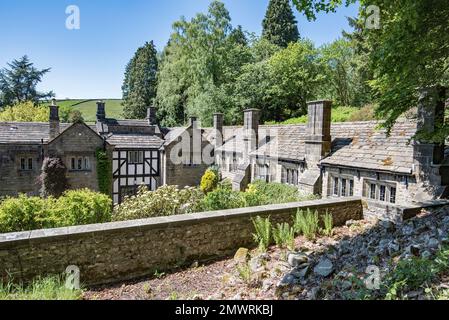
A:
[218,129]
[151,116]
[193,122]
[250,131]
[318,131]
[101,111]
[54,120]
[427,155]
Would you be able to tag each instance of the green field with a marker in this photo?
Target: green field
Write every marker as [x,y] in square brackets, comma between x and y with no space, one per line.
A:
[88,108]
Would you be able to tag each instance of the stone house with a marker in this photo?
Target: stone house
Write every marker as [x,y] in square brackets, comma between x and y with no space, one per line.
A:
[139,151]
[320,157]
[340,159]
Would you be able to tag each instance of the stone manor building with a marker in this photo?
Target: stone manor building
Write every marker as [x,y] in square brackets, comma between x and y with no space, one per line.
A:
[320,157]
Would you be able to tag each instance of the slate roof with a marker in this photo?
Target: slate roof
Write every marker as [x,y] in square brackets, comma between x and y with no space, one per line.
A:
[135,141]
[354,144]
[26,132]
[363,145]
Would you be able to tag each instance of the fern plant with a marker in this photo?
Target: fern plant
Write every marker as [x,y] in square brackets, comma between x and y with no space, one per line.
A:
[328,222]
[307,223]
[263,232]
[284,236]
[245,272]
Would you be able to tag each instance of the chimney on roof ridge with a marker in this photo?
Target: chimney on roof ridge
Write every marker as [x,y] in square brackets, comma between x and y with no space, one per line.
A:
[101,111]
[193,122]
[318,131]
[218,129]
[54,120]
[151,116]
[250,130]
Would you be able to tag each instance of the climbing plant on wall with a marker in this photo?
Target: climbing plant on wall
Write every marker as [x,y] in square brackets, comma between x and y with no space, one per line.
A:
[53,177]
[104,172]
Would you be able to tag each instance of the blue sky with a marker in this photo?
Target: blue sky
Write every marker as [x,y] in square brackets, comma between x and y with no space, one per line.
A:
[89,63]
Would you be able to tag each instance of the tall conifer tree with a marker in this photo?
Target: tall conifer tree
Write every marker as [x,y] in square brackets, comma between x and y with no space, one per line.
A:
[280,26]
[140,84]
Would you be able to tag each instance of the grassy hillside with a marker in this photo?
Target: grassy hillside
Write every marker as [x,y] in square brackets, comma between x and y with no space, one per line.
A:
[88,108]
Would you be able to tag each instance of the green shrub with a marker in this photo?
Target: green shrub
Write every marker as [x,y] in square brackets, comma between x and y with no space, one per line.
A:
[307,223]
[209,181]
[26,213]
[263,234]
[74,207]
[274,193]
[284,236]
[78,207]
[328,223]
[223,198]
[254,197]
[49,288]
[409,275]
[165,201]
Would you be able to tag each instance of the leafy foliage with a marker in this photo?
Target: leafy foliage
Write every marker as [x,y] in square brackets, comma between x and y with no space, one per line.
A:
[223,198]
[53,177]
[263,232]
[75,207]
[78,207]
[139,86]
[307,223]
[284,236]
[49,288]
[408,51]
[209,181]
[104,171]
[279,25]
[273,193]
[18,83]
[328,223]
[165,201]
[26,111]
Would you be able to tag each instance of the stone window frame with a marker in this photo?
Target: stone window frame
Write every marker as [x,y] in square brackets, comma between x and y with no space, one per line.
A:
[79,163]
[26,163]
[336,185]
[389,195]
[290,176]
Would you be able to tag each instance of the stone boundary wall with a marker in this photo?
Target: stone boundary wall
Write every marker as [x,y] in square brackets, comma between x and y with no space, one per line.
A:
[120,251]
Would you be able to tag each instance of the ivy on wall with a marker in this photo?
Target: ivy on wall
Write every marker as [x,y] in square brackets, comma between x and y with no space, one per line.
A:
[104,172]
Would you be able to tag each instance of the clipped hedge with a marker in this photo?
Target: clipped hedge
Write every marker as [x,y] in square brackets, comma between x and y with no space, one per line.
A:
[74,207]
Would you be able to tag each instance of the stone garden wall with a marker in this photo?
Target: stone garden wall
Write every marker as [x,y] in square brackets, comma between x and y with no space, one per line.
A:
[124,250]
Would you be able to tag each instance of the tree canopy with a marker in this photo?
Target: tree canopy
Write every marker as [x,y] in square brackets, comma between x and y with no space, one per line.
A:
[140,83]
[279,25]
[409,50]
[18,83]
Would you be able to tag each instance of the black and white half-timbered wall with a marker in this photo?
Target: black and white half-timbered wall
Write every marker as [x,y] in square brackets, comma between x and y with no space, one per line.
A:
[133,168]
